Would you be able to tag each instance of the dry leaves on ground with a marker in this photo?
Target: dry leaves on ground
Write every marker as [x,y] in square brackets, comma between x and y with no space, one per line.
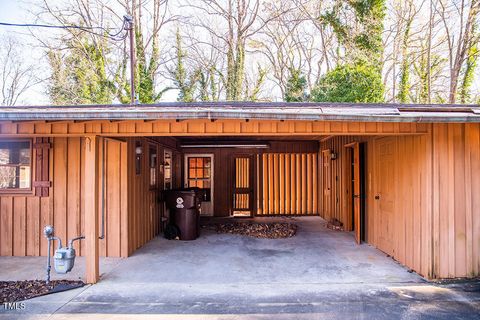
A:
[12,291]
[258,230]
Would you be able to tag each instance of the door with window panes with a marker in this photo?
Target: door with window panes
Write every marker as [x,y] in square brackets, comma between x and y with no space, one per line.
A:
[199,173]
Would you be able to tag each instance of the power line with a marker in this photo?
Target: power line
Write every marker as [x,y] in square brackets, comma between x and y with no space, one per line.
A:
[127,26]
[107,34]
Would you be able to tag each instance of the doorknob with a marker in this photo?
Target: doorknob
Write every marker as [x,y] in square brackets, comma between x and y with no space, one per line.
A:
[377,197]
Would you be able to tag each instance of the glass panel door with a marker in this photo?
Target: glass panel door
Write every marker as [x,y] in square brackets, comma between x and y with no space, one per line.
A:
[167,170]
[199,174]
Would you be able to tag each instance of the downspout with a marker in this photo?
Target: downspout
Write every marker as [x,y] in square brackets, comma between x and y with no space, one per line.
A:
[102,236]
[104,142]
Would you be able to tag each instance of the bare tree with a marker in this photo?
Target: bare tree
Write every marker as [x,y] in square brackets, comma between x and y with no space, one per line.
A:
[16,75]
[101,19]
[459,20]
[234,23]
[280,42]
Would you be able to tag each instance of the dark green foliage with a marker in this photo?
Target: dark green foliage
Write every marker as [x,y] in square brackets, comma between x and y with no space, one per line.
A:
[358,25]
[296,87]
[370,13]
[350,83]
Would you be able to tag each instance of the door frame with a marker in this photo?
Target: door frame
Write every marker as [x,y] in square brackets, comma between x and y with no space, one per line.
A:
[326,174]
[212,178]
[385,244]
[355,184]
[252,173]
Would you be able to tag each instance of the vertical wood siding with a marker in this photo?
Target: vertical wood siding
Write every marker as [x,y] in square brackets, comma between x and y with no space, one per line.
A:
[436,210]
[409,183]
[404,234]
[144,206]
[289,184]
[335,179]
[22,217]
[436,183]
[456,200]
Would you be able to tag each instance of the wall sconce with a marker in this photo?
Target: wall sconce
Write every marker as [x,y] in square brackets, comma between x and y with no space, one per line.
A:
[138,158]
[333,156]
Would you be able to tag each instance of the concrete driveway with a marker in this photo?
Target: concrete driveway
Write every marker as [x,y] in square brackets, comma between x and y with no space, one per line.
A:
[319,273]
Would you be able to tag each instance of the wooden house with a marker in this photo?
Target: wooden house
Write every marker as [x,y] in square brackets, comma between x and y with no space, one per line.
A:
[404,178]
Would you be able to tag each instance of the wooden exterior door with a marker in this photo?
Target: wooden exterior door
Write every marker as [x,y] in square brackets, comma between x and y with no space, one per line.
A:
[153,190]
[327,183]
[356,190]
[243,186]
[199,173]
[385,192]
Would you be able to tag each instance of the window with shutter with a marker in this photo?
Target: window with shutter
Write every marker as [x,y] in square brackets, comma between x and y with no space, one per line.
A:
[15,166]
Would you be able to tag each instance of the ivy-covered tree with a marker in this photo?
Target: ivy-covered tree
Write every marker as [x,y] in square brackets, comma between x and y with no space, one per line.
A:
[296,87]
[422,70]
[468,74]
[350,83]
[184,82]
[78,74]
[358,26]
[252,95]
[146,67]
[404,86]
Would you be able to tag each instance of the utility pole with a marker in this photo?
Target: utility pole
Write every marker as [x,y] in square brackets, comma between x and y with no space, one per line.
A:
[130,28]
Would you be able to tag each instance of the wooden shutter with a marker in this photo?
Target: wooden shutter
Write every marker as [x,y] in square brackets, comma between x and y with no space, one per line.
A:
[42,182]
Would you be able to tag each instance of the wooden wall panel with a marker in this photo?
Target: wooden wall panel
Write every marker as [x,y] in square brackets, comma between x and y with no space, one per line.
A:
[410,182]
[33,226]
[456,204]
[437,182]
[23,217]
[221,127]
[74,220]
[144,210]
[288,184]
[6,226]
[337,205]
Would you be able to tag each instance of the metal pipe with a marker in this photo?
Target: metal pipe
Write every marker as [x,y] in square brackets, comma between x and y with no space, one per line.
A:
[129,20]
[70,243]
[59,242]
[49,265]
[102,236]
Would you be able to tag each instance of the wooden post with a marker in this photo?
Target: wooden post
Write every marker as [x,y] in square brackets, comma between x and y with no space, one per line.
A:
[91,197]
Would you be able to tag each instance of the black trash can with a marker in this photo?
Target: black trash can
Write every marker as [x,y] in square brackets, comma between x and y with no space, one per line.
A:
[200,194]
[184,206]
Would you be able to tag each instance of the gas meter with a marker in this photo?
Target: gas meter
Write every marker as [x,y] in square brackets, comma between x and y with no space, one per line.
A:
[64,257]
